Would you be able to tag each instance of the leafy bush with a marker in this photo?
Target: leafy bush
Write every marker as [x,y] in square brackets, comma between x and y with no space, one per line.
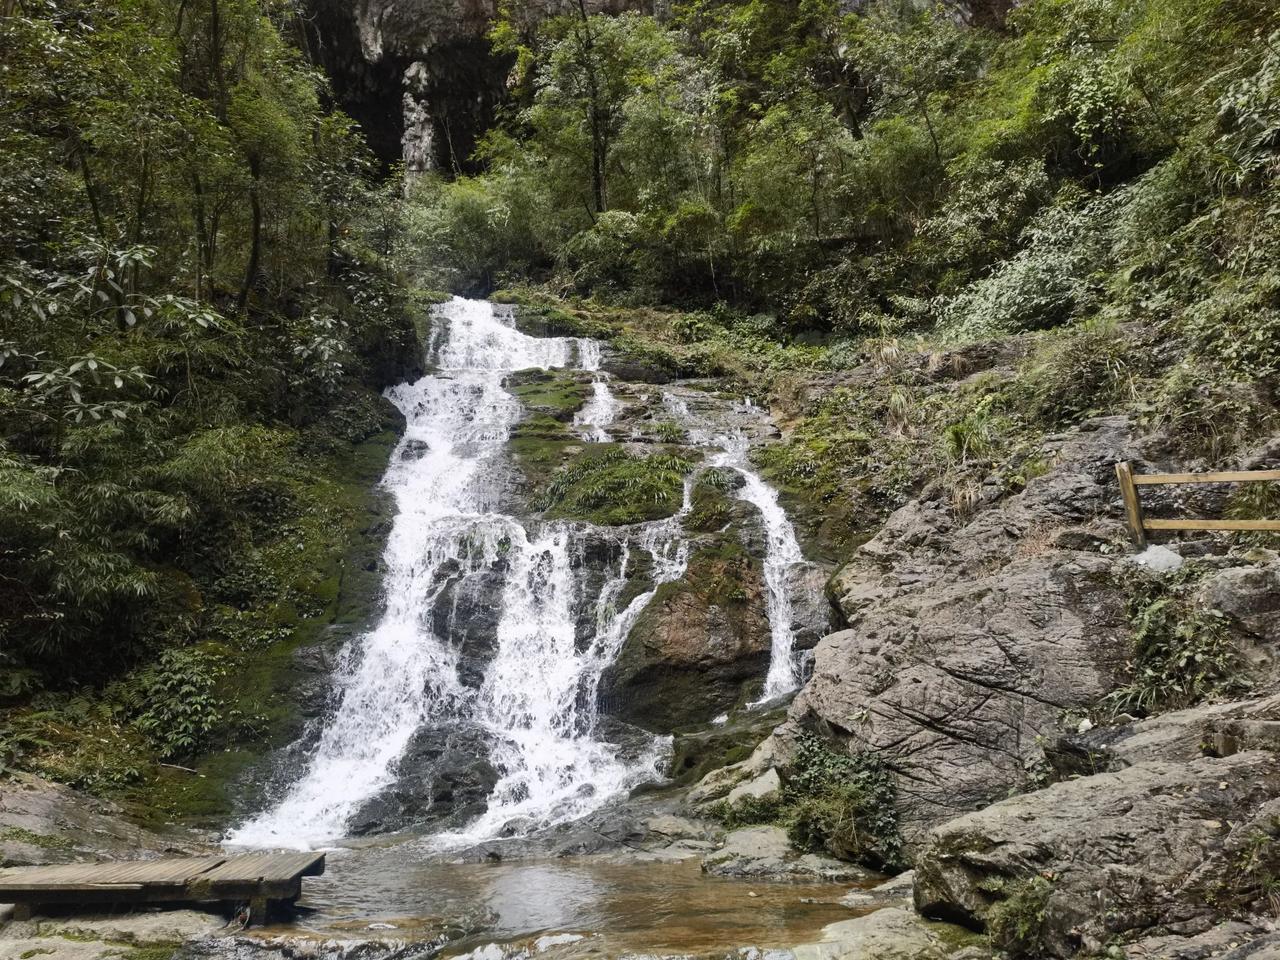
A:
[1182,652]
[1016,924]
[1051,280]
[843,805]
[180,703]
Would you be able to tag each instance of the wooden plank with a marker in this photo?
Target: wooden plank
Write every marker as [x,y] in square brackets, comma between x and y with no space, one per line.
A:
[272,875]
[1212,525]
[172,871]
[1224,476]
[270,866]
[1132,505]
[73,888]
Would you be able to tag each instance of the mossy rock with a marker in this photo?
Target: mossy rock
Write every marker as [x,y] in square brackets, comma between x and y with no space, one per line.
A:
[700,648]
[711,506]
[613,487]
[548,318]
[697,752]
[548,394]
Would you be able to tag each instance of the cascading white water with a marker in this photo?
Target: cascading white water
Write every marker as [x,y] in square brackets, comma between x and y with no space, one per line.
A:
[539,694]
[782,550]
[782,556]
[537,700]
[597,413]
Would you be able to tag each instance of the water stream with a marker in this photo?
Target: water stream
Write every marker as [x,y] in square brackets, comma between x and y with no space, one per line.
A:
[536,703]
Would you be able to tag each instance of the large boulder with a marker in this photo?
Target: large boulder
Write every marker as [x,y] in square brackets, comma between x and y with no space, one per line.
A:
[443,778]
[700,647]
[970,634]
[1157,846]
[1215,730]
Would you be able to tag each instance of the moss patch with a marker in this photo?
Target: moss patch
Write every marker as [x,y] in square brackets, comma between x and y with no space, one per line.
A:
[548,394]
[615,487]
[711,507]
[44,841]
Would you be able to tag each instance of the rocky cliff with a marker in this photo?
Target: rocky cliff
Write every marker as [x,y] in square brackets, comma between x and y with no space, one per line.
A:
[419,75]
[994,654]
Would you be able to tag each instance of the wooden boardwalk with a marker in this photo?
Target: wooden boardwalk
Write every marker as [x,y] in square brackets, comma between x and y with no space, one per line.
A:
[253,878]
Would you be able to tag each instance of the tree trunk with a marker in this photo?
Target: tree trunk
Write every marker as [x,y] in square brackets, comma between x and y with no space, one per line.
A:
[255,244]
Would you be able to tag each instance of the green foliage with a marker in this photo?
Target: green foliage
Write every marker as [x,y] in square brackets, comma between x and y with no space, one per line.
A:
[198,309]
[181,705]
[843,805]
[1182,651]
[1016,923]
[617,488]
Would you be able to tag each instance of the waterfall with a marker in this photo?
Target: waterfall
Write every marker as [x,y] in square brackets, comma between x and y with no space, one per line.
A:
[782,550]
[402,675]
[782,556]
[597,413]
[536,703]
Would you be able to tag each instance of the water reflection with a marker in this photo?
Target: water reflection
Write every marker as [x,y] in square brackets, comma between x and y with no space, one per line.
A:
[620,905]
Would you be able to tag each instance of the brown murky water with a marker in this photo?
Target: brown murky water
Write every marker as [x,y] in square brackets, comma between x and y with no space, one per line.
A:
[620,907]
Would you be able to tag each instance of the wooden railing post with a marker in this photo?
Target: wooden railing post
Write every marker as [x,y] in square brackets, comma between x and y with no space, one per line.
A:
[1132,505]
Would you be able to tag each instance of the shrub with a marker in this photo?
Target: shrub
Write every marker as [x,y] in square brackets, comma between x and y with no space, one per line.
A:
[1182,651]
[1016,925]
[182,706]
[1053,279]
[843,805]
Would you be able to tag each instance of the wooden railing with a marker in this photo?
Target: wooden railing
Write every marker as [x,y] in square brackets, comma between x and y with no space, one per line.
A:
[1139,526]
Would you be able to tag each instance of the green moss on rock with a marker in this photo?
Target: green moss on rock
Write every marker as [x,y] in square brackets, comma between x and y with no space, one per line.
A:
[615,487]
[548,394]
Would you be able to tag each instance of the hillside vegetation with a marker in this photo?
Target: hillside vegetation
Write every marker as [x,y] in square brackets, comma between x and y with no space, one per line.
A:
[196,315]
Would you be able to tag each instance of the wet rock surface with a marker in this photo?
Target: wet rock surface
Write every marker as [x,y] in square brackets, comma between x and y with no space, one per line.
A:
[698,646]
[445,778]
[44,822]
[764,853]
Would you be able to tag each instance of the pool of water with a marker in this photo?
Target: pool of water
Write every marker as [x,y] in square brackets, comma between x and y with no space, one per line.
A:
[616,906]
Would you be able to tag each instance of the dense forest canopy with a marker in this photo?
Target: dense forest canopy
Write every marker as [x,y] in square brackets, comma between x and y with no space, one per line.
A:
[194,317]
[863,172]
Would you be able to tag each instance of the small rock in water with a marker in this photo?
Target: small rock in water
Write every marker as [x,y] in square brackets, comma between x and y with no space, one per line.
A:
[555,940]
[1159,559]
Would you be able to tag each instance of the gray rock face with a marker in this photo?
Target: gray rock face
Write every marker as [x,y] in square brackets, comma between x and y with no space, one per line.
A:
[968,637]
[892,933]
[43,822]
[765,853]
[764,788]
[1157,845]
[1216,730]
[1250,596]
